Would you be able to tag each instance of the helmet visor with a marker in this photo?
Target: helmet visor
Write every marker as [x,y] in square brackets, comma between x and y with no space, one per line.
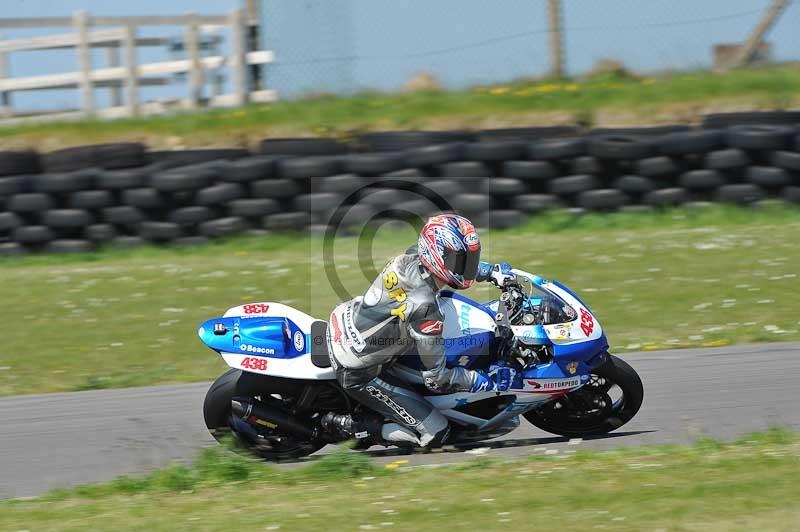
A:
[463,263]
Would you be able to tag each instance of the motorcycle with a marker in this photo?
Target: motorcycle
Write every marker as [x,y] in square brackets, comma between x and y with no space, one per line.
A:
[281,382]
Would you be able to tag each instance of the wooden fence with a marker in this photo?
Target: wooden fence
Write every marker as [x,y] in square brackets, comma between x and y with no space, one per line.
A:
[125,76]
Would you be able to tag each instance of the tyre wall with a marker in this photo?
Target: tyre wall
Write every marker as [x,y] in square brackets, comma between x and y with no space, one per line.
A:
[124,195]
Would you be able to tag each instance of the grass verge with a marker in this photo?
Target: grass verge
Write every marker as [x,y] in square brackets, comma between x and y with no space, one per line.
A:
[750,483]
[116,318]
[603,100]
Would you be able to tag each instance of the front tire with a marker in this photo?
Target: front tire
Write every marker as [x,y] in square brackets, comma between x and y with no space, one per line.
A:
[221,423]
[609,400]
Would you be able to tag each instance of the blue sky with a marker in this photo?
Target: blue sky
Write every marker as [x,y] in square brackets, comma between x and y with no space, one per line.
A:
[330,45]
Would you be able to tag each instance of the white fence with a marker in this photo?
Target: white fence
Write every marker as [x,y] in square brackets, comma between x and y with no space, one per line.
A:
[124,76]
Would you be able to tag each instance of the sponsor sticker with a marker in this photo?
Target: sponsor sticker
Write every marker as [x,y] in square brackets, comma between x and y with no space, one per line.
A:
[562,334]
[337,332]
[236,338]
[299,340]
[431,327]
[553,385]
[390,280]
[353,335]
[399,410]
[250,348]
[463,319]
[572,367]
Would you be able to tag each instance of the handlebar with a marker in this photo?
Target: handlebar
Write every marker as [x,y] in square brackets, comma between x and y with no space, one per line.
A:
[549,309]
[512,298]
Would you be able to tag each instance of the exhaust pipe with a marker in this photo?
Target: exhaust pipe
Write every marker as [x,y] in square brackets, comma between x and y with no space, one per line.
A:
[261,415]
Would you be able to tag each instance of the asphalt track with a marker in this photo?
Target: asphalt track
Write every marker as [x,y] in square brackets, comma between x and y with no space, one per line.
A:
[59,440]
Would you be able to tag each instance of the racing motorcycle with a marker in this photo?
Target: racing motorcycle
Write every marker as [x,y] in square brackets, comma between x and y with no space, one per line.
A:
[281,384]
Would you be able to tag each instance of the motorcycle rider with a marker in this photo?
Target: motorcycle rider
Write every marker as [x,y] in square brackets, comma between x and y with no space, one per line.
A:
[367,334]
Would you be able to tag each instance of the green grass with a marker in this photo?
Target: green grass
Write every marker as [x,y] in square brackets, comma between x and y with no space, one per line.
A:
[121,318]
[606,100]
[713,486]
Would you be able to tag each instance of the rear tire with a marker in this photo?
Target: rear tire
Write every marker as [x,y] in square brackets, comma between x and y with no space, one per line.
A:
[567,421]
[218,418]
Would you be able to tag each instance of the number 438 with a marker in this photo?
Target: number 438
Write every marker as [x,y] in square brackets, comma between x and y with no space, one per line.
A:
[255,363]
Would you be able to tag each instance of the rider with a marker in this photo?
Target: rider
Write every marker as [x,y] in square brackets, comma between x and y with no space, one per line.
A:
[367,334]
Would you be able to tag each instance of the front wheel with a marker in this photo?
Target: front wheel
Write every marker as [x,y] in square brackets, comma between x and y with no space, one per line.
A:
[610,399]
[221,423]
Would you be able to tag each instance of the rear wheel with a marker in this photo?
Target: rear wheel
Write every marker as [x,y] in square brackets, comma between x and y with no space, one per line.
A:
[610,399]
[265,443]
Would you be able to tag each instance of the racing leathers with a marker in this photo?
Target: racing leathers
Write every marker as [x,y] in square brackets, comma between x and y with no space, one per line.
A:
[369,333]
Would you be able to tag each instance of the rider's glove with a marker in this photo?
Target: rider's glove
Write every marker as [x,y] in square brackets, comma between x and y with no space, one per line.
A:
[498,379]
[498,274]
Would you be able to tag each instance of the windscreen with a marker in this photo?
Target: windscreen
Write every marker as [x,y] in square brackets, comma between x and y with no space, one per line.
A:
[546,308]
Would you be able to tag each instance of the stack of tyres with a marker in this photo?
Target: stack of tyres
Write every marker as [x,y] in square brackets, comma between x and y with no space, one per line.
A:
[53,210]
[16,169]
[77,199]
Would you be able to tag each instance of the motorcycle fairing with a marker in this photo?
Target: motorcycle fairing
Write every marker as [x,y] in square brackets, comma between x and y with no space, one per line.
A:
[270,336]
[528,392]
[275,333]
[467,333]
[570,341]
[469,329]
[575,353]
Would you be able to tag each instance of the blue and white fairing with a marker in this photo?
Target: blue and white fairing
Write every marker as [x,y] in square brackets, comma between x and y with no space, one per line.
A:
[277,337]
[469,329]
[577,345]
[579,341]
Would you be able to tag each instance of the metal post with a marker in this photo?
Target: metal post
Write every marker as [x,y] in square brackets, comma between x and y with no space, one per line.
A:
[195,67]
[131,74]
[556,39]
[217,78]
[254,40]
[81,22]
[238,57]
[112,53]
[5,97]
[768,19]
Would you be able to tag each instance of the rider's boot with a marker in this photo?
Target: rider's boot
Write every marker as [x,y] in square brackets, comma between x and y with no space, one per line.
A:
[372,429]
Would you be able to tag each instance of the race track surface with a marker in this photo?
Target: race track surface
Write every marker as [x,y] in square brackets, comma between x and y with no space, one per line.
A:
[59,440]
